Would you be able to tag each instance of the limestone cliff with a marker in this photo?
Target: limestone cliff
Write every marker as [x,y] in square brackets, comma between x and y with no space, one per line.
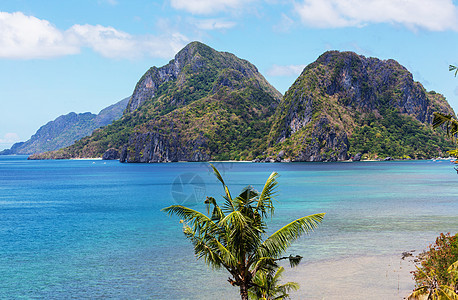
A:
[340,93]
[204,104]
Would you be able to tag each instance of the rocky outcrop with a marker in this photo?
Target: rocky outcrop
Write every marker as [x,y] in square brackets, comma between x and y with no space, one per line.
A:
[334,95]
[209,105]
[111,154]
[326,144]
[199,100]
[155,147]
[193,59]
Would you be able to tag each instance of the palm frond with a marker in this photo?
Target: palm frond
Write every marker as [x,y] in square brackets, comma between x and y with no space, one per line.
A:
[267,195]
[418,292]
[449,121]
[246,197]
[453,267]
[217,213]
[199,220]
[453,68]
[229,205]
[279,241]
[447,293]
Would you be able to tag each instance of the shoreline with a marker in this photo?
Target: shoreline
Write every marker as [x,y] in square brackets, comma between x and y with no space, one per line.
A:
[89,158]
[360,277]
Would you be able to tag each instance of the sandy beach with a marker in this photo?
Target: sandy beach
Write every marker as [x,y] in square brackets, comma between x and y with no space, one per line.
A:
[365,277]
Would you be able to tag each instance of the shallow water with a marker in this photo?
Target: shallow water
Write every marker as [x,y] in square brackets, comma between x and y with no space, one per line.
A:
[94,229]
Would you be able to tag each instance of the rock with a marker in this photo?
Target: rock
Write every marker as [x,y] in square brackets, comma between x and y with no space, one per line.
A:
[357,157]
[156,147]
[388,158]
[281,154]
[111,154]
[256,160]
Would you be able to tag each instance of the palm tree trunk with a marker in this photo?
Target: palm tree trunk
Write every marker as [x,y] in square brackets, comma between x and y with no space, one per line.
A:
[243,291]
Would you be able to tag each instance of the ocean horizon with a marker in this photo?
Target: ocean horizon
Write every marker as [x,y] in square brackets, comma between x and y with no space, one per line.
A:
[95,229]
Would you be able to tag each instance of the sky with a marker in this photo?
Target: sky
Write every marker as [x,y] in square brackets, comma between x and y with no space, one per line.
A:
[67,56]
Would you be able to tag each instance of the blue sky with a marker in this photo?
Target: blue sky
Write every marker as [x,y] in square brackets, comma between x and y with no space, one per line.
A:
[63,56]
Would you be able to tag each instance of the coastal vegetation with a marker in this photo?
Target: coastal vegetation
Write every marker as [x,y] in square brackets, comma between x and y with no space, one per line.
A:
[437,275]
[267,286]
[451,125]
[234,236]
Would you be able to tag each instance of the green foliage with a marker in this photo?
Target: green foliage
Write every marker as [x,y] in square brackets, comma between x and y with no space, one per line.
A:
[233,236]
[451,125]
[215,95]
[267,285]
[397,136]
[436,261]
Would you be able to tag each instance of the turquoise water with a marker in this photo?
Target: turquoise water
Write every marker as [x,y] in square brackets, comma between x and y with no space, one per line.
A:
[94,229]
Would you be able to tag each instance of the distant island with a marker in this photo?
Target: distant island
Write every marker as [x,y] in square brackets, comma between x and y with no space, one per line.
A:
[66,129]
[209,105]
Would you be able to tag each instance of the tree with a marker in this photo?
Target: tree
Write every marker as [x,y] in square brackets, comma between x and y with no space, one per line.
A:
[268,287]
[234,236]
[450,123]
[437,276]
[433,290]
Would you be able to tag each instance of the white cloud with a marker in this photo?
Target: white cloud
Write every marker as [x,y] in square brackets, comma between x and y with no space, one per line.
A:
[24,36]
[214,24]
[289,70]
[27,37]
[208,6]
[434,15]
[10,138]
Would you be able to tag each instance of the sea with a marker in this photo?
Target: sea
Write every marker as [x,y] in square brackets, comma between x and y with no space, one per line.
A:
[93,229]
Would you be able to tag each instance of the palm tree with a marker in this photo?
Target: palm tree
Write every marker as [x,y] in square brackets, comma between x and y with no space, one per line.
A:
[435,291]
[450,122]
[267,286]
[233,236]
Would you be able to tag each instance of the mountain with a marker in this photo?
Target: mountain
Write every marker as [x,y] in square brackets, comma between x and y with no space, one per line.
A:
[66,129]
[203,105]
[209,105]
[344,104]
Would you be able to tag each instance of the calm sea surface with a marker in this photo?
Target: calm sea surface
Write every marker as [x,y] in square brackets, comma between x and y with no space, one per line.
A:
[94,229]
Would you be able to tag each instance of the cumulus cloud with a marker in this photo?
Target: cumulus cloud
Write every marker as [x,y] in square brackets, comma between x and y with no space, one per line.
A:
[27,37]
[434,15]
[289,70]
[208,6]
[24,36]
[10,138]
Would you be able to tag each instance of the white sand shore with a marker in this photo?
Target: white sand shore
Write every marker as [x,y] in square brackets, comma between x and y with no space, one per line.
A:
[365,277]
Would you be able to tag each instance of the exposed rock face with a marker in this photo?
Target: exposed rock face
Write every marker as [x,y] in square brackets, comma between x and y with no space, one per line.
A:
[202,105]
[334,94]
[111,154]
[357,157]
[326,144]
[155,147]
[193,59]
[66,129]
[209,105]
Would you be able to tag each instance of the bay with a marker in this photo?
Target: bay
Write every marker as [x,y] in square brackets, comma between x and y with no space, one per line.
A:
[94,229]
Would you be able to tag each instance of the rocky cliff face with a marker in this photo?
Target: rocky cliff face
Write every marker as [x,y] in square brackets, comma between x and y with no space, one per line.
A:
[209,105]
[335,94]
[202,105]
